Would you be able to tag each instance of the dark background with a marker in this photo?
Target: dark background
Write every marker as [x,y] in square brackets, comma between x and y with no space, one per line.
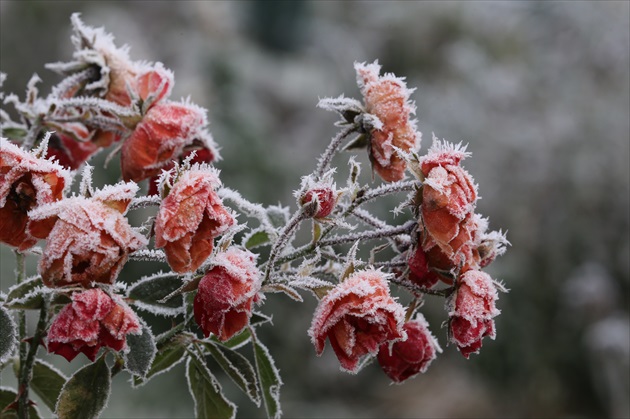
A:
[539,91]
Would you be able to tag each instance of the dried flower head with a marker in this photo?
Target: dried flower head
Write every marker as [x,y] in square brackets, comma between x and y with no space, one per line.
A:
[26,182]
[91,321]
[406,359]
[190,217]
[89,239]
[223,304]
[357,316]
[387,98]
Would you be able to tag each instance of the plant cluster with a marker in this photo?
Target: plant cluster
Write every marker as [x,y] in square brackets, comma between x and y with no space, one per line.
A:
[224,252]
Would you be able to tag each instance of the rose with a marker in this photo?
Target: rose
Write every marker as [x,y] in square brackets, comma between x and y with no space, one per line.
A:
[225,295]
[190,217]
[357,316]
[406,359]
[91,321]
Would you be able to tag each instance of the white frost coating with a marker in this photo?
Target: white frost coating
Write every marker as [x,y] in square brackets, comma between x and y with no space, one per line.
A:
[148,255]
[250,209]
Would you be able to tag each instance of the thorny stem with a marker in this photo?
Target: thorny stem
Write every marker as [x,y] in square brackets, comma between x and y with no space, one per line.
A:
[326,158]
[445,292]
[294,222]
[26,365]
[368,235]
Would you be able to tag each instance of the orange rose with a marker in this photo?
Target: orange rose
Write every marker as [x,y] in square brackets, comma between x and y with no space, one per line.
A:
[387,98]
[189,219]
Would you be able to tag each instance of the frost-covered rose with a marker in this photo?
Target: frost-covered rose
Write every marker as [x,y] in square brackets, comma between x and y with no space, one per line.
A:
[325,196]
[160,137]
[405,359]
[26,182]
[190,217]
[387,98]
[91,321]
[89,239]
[448,198]
[357,316]
[223,304]
[472,311]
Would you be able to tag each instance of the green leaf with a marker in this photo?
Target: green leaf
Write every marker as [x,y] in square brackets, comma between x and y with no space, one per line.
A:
[148,294]
[85,394]
[47,382]
[269,378]
[141,352]
[235,341]
[257,238]
[168,355]
[14,133]
[8,335]
[27,295]
[206,392]
[237,367]
[8,396]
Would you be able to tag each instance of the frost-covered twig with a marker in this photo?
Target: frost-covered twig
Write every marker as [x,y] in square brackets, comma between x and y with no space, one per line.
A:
[324,161]
[369,235]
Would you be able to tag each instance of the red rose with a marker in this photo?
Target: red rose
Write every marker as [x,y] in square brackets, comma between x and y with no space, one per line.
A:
[472,312]
[325,196]
[160,137]
[406,359]
[91,321]
[357,316]
[26,182]
[223,304]
[89,239]
[189,219]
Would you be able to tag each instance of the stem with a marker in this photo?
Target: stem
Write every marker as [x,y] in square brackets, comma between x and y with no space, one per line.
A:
[26,366]
[325,159]
[23,351]
[293,223]
[369,235]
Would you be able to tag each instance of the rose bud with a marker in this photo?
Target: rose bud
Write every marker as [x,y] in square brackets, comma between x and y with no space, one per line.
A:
[26,182]
[357,316]
[190,217]
[69,152]
[89,239]
[406,359]
[326,199]
[472,310]
[159,138]
[91,321]
[223,304]
[387,98]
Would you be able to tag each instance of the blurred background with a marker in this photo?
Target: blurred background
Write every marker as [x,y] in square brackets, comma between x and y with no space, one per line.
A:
[538,89]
